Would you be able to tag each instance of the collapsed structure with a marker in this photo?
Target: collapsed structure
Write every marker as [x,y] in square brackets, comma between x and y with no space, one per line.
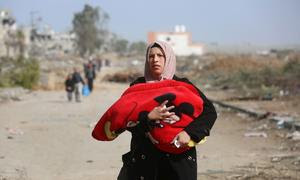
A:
[25,40]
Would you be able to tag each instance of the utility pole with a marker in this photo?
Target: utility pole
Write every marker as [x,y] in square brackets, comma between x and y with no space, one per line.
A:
[32,19]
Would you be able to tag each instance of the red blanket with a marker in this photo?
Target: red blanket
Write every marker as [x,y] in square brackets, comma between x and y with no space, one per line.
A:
[143,97]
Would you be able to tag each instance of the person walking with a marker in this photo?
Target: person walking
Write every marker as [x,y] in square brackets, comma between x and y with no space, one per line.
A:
[145,160]
[77,80]
[90,74]
[69,87]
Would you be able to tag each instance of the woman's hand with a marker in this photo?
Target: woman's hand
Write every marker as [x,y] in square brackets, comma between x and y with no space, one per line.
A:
[181,139]
[161,112]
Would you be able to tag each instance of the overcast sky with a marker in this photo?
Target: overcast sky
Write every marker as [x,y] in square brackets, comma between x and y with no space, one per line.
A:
[261,22]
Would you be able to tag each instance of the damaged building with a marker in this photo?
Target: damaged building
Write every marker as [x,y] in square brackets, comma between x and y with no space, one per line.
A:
[30,40]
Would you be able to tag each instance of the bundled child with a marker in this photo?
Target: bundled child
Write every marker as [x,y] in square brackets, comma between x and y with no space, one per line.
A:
[69,85]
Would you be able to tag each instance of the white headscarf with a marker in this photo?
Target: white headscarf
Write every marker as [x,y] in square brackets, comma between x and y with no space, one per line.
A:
[170,64]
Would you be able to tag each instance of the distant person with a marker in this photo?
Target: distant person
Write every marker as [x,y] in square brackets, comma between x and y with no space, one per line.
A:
[107,63]
[99,64]
[77,79]
[90,74]
[69,85]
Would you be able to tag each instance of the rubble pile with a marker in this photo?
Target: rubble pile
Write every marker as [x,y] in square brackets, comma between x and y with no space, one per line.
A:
[14,94]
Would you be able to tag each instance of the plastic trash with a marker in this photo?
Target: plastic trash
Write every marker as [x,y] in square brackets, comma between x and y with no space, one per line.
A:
[256,134]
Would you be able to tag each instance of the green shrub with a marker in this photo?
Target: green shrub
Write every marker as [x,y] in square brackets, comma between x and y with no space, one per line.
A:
[292,69]
[266,80]
[22,72]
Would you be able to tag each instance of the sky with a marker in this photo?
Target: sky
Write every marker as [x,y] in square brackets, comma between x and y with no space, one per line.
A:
[258,22]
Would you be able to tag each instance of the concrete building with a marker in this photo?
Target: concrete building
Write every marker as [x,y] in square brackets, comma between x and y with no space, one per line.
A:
[7,29]
[180,40]
[31,40]
[51,42]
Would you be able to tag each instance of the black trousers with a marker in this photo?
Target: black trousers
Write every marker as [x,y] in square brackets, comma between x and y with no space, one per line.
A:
[161,166]
[90,83]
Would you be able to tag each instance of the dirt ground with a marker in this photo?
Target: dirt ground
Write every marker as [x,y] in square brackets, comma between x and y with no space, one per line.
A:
[44,137]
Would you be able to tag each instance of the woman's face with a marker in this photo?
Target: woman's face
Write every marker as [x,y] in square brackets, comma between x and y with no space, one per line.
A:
[156,62]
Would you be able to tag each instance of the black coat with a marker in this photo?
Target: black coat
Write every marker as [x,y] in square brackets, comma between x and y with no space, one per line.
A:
[145,161]
[76,78]
[69,85]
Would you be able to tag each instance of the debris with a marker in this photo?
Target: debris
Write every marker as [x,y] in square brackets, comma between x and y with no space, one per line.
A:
[297,162]
[284,93]
[244,116]
[12,93]
[294,136]
[280,124]
[14,131]
[127,76]
[234,176]
[283,121]
[276,159]
[242,112]
[267,97]
[279,158]
[281,135]
[256,134]
[215,171]
[263,127]
[242,98]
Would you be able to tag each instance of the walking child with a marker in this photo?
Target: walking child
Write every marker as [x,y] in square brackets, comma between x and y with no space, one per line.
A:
[69,85]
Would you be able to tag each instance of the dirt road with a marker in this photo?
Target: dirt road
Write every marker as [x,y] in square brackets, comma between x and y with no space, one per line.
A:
[44,137]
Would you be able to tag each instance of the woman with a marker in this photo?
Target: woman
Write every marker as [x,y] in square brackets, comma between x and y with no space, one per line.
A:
[145,161]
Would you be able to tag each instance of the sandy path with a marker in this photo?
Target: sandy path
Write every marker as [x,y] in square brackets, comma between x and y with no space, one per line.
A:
[56,143]
[45,137]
